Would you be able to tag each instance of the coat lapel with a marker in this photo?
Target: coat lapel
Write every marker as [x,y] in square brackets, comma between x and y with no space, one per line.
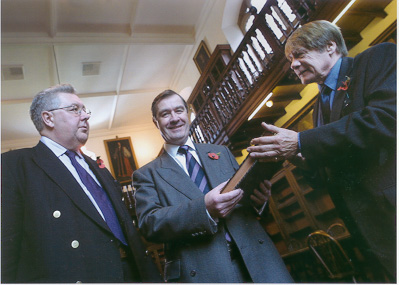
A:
[58,173]
[340,95]
[211,167]
[111,186]
[175,176]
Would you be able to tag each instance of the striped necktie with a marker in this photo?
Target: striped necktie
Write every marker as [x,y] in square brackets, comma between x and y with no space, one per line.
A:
[100,196]
[195,170]
[197,175]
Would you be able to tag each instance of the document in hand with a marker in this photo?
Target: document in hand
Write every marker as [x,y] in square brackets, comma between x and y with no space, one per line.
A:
[250,174]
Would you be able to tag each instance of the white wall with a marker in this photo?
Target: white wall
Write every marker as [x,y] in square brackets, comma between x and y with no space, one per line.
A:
[146,144]
[147,141]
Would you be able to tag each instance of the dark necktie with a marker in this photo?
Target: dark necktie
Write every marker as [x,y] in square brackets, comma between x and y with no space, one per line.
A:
[100,196]
[325,103]
[195,170]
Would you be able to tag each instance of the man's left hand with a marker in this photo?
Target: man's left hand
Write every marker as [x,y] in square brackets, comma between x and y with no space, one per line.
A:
[261,196]
[280,146]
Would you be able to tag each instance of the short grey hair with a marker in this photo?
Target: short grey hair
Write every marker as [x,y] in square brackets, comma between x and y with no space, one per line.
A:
[46,100]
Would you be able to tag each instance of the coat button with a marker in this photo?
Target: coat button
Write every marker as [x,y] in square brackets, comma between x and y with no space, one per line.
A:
[75,244]
[193,273]
[57,214]
[261,241]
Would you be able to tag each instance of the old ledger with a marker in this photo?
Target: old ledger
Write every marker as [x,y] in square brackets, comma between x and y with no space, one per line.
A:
[250,174]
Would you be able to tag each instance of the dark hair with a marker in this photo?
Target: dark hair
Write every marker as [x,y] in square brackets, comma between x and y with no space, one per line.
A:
[46,100]
[316,36]
[161,96]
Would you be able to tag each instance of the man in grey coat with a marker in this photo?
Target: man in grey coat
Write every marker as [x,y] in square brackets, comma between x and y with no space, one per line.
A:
[208,236]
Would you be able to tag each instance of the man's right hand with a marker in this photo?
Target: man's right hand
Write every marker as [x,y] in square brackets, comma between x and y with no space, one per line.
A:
[220,205]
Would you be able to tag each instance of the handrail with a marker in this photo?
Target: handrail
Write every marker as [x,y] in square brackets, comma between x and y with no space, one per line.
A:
[257,64]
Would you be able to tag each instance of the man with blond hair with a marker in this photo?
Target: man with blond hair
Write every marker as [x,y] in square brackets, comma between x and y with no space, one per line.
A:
[352,148]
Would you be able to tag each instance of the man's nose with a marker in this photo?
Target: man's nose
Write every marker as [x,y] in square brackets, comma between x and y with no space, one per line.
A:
[295,63]
[85,116]
[174,116]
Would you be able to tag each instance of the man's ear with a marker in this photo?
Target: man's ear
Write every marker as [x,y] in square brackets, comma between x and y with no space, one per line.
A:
[155,121]
[48,119]
[331,47]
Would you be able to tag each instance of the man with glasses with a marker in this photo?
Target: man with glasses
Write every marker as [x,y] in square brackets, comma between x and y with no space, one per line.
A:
[63,219]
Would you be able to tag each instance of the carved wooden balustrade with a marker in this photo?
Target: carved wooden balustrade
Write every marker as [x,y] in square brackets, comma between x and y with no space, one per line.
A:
[251,72]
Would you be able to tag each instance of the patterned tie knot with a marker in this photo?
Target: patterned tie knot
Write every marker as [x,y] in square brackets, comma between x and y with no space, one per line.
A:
[183,149]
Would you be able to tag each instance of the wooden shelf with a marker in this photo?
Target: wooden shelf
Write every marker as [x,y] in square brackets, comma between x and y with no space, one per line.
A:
[287,203]
[299,214]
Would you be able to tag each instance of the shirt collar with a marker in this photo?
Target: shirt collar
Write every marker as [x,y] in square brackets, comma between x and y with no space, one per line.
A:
[172,149]
[56,148]
[332,77]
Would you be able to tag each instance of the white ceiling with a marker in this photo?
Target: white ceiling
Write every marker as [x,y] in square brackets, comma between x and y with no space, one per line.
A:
[142,45]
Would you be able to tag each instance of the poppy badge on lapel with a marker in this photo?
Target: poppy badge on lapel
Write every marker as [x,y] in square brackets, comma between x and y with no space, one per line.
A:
[345,84]
[214,156]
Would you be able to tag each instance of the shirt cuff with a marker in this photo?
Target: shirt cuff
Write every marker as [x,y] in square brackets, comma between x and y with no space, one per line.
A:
[213,222]
[260,211]
[299,143]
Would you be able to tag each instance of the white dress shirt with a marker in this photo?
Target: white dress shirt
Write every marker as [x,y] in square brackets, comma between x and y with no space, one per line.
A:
[59,151]
[180,158]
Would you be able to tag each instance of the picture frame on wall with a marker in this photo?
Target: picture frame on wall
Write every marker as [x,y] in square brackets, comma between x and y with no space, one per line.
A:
[202,56]
[121,158]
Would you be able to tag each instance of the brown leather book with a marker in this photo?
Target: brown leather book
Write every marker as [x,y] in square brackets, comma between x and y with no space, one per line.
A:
[250,174]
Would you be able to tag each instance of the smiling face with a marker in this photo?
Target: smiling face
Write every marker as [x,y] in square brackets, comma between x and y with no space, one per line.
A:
[313,65]
[64,126]
[172,120]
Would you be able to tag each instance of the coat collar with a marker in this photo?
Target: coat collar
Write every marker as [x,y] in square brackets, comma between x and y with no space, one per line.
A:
[346,70]
[175,176]
[339,98]
[211,167]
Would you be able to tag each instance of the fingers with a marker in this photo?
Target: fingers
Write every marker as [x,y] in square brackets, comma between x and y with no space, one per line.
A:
[219,205]
[264,140]
[266,187]
[259,197]
[280,146]
[270,128]
[220,187]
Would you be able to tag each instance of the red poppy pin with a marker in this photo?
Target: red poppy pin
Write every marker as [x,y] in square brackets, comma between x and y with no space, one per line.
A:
[214,156]
[345,84]
[100,162]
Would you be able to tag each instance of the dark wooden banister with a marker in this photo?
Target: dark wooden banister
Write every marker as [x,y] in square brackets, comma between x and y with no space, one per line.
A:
[251,73]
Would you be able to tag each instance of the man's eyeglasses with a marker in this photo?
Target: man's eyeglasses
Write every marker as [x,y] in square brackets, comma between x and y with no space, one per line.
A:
[75,109]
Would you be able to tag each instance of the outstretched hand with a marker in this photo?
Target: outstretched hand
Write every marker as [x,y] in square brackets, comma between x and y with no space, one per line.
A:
[280,146]
[220,205]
